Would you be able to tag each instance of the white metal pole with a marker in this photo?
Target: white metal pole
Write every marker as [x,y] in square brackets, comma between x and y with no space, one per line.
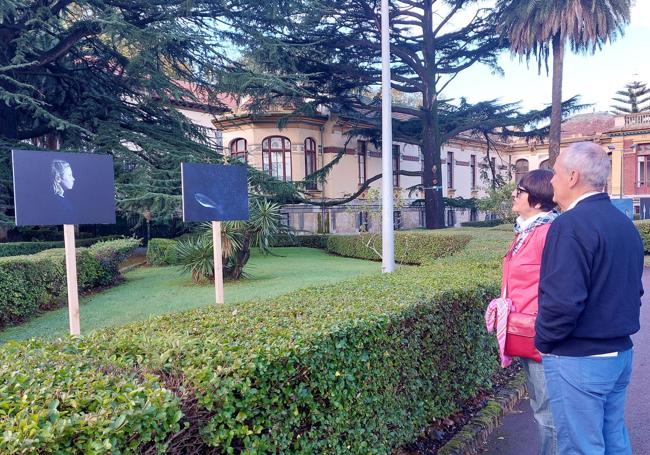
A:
[387,233]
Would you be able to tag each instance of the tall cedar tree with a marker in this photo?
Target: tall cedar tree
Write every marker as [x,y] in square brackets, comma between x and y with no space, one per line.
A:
[98,76]
[336,46]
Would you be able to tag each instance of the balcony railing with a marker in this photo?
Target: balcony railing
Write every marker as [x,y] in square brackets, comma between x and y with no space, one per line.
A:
[637,119]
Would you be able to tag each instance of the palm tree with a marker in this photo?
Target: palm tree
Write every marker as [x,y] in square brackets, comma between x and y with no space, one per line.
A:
[537,27]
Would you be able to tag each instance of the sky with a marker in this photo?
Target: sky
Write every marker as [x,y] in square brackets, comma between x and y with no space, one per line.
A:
[595,78]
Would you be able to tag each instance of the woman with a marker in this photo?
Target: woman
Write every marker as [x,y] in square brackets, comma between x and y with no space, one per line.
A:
[532,200]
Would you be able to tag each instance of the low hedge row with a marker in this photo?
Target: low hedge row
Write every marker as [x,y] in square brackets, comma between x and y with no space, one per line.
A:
[22,248]
[161,252]
[356,368]
[644,230]
[302,240]
[479,224]
[411,247]
[31,283]
[57,401]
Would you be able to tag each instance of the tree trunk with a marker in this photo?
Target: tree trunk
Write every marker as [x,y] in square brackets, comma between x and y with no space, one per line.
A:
[556,101]
[432,176]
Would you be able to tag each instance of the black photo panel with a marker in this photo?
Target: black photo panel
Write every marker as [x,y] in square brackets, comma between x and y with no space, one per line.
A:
[63,188]
[644,208]
[214,192]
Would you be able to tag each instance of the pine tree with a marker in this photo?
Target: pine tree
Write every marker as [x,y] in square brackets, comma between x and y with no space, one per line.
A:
[634,98]
[336,48]
[100,76]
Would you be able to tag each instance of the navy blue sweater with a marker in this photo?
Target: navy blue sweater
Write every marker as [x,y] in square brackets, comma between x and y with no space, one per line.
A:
[590,281]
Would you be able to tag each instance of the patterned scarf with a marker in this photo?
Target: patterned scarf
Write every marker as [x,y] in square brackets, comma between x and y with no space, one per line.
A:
[522,233]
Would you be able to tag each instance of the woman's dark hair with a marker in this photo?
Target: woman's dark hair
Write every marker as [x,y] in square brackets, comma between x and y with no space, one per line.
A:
[537,184]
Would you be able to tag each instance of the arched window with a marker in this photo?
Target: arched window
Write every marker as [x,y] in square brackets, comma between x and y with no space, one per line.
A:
[276,157]
[521,169]
[545,165]
[238,149]
[310,160]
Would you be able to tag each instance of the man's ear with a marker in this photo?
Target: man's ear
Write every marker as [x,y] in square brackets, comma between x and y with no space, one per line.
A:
[574,178]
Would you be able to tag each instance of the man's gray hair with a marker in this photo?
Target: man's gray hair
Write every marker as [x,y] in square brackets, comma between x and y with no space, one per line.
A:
[590,160]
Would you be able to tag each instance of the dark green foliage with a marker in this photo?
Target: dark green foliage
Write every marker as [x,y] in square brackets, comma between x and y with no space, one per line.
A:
[306,240]
[56,401]
[355,368]
[478,224]
[21,248]
[416,247]
[162,252]
[644,230]
[635,97]
[31,283]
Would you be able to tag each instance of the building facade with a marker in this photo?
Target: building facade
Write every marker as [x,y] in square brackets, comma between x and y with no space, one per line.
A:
[304,144]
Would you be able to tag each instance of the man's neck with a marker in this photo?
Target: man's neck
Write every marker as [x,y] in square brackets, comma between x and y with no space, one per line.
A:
[580,196]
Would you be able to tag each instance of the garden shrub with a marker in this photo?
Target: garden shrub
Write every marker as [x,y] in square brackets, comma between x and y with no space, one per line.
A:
[359,367]
[162,252]
[411,247]
[37,282]
[54,401]
[22,248]
[479,224]
[302,240]
[644,230]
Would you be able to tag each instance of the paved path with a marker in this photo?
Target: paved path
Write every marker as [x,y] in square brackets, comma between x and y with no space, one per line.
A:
[518,436]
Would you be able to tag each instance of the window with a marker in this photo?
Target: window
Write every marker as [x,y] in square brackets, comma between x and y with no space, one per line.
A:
[450,169]
[521,169]
[472,169]
[362,151]
[473,214]
[310,161]
[642,170]
[364,224]
[397,220]
[276,157]
[545,165]
[238,149]
[395,166]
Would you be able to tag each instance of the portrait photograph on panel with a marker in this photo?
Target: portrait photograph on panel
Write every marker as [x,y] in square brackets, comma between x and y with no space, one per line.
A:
[625,205]
[214,192]
[53,188]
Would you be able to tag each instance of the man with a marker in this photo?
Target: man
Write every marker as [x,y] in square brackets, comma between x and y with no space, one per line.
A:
[589,302]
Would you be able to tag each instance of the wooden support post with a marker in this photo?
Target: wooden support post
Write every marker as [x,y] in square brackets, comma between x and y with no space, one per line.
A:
[218,266]
[71,275]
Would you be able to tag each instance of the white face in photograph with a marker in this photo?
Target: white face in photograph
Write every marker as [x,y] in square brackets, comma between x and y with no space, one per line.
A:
[67,180]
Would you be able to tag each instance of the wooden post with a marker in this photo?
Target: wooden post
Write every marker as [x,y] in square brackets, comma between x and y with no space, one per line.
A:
[71,275]
[218,266]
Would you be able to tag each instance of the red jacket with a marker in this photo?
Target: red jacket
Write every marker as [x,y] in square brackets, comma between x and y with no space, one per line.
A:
[521,271]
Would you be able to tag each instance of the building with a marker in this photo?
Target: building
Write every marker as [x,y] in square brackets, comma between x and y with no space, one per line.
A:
[627,139]
[290,147]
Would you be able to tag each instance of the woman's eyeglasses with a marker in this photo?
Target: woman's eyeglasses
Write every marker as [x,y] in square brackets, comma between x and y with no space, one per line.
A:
[520,190]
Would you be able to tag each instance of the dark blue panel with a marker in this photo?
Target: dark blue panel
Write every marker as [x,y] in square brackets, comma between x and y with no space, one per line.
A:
[63,188]
[214,192]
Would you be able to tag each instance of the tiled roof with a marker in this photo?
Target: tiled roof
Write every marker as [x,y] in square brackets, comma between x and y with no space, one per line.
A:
[587,124]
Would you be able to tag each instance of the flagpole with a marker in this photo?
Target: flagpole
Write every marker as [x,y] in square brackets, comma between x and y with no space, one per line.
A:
[387,233]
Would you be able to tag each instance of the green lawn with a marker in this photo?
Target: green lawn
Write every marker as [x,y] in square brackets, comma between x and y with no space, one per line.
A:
[150,291]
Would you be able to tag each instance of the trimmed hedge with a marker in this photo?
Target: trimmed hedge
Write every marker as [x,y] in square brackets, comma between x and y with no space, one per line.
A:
[480,224]
[56,401]
[22,248]
[304,240]
[29,284]
[356,368]
[644,230]
[162,252]
[411,247]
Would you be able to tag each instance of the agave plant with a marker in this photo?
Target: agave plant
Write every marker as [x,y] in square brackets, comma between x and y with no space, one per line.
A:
[237,238]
